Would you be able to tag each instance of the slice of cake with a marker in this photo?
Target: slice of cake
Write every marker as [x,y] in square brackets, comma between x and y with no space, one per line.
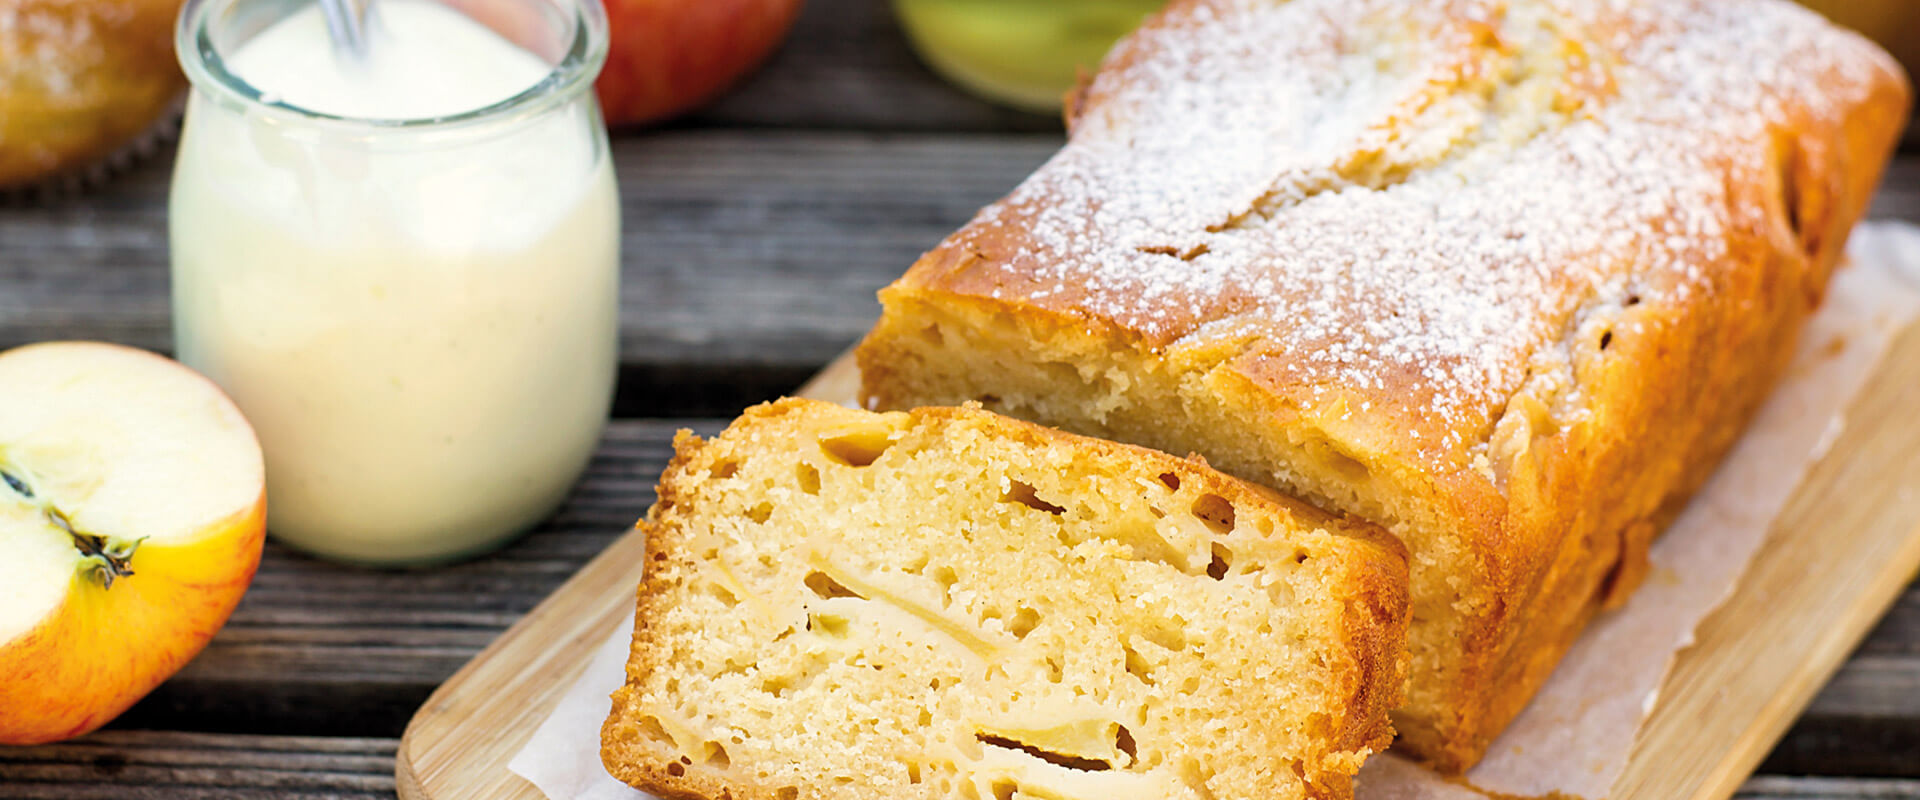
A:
[1507,278]
[947,603]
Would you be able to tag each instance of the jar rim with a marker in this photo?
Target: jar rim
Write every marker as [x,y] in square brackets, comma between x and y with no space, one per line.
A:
[575,72]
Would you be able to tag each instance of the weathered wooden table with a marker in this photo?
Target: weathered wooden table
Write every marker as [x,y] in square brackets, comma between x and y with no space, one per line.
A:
[755,235]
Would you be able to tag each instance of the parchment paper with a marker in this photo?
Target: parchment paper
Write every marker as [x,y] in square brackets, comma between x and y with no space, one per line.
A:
[1579,729]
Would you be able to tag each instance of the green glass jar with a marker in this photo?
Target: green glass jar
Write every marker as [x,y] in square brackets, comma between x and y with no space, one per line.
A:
[1021,53]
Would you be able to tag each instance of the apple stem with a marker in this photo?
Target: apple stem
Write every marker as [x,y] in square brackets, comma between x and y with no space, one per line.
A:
[111,559]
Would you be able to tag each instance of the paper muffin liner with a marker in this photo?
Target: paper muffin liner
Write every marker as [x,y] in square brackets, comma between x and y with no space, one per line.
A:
[82,179]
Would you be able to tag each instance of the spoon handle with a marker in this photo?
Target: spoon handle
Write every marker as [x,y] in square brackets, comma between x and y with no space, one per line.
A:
[347,26]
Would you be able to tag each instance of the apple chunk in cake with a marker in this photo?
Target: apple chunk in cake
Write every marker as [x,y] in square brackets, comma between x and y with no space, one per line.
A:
[947,603]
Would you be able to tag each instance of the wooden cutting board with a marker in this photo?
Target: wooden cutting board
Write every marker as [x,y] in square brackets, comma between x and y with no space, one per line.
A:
[1840,552]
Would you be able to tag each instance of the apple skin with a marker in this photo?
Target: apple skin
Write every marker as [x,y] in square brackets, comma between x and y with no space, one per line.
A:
[666,57]
[103,648]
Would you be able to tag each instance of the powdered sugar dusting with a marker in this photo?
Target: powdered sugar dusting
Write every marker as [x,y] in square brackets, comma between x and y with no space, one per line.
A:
[1374,195]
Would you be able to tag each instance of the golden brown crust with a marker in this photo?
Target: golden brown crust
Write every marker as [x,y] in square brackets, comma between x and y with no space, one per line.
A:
[625,751]
[1680,177]
[80,80]
[1373,589]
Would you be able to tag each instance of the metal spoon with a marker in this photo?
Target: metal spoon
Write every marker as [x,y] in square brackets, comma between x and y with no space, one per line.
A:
[347,26]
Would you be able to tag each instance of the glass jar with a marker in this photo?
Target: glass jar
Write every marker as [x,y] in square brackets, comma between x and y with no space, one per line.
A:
[1021,53]
[419,315]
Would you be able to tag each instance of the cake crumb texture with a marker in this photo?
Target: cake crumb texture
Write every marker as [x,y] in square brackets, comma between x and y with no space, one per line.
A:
[952,604]
[1504,276]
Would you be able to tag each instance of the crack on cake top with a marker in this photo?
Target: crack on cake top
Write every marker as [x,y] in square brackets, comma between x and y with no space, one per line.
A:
[1383,195]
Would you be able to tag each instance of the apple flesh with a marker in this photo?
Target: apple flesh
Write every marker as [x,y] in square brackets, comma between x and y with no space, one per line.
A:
[665,57]
[132,512]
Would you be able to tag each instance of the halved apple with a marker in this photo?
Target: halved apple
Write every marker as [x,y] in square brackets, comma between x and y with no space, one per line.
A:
[132,510]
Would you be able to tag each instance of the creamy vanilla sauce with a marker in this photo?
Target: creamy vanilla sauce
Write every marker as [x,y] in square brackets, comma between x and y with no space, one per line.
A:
[423,332]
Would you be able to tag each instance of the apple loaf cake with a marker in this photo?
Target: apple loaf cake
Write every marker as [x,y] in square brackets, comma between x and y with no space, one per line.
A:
[1505,276]
[949,603]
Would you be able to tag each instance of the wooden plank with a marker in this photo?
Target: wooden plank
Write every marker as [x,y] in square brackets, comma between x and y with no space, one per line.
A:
[320,648]
[323,648]
[1878,746]
[137,765]
[1839,554]
[1899,195]
[1769,787]
[1728,701]
[848,65]
[1866,720]
[751,257]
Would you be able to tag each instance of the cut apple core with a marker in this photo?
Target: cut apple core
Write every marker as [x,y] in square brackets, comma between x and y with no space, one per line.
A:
[105,453]
[103,558]
[114,461]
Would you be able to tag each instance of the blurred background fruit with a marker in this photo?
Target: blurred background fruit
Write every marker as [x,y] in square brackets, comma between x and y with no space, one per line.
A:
[82,81]
[1021,53]
[668,56]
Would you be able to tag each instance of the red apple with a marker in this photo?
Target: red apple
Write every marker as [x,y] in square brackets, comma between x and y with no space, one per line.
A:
[668,56]
[132,510]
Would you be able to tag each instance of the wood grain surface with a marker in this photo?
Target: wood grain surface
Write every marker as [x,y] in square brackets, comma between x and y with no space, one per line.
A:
[321,648]
[142,765]
[755,233]
[1840,553]
[135,765]
[750,258]
[847,66]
